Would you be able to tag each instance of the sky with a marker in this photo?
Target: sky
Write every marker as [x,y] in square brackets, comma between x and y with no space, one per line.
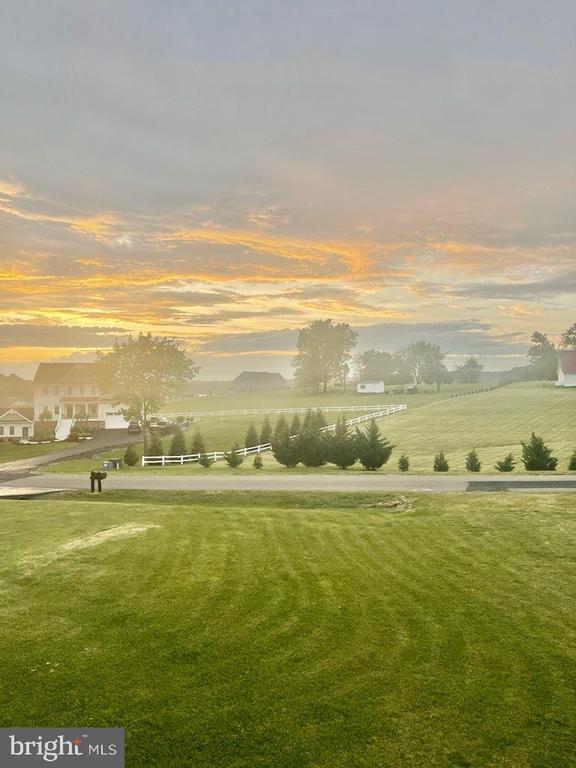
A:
[227,172]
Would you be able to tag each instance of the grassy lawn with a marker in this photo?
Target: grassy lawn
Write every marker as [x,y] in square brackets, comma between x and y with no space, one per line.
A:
[328,630]
[492,422]
[15,451]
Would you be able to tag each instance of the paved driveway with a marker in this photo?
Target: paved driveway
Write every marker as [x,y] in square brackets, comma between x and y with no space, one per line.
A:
[102,441]
[305,482]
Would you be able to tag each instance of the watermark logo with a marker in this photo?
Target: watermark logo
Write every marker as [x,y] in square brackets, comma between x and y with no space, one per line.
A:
[78,747]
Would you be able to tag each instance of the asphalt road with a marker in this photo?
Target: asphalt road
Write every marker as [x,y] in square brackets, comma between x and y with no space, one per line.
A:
[305,482]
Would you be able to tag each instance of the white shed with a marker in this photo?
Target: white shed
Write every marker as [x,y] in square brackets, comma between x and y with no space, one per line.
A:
[370,387]
[567,369]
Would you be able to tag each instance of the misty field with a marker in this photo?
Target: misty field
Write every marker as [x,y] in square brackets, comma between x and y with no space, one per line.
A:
[494,422]
[257,630]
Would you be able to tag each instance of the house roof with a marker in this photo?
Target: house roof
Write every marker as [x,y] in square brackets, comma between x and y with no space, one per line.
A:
[259,376]
[12,415]
[64,373]
[567,361]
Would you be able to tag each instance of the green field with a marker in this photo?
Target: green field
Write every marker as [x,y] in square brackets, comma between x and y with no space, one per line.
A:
[16,451]
[493,422]
[290,631]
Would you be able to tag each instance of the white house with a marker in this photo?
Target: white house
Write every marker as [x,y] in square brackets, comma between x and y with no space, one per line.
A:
[16,423]
[566,369]
[66,392]
[372,387]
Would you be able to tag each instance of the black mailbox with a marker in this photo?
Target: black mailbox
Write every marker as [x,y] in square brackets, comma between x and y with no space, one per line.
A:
[96,476]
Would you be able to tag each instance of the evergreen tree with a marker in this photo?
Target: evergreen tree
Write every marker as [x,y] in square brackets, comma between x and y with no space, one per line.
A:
[373,450]
[205,461]
[506,465]
[403,463]
[251,437]
[284,450]
[536,456]
[178,443]
[266,432]
[572,462]
[341,445]
[258,461]
[198,446]
[319,419]
[233,458]
[131,457]
[473,463]
[155,447]
[296,425]
[441,463]
[310,444]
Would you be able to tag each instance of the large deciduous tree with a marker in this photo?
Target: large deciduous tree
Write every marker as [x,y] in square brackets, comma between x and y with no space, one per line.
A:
[380,365]
[568,338]
[324,354]
[543,357]
[469,372]
[141,372]
[424,360]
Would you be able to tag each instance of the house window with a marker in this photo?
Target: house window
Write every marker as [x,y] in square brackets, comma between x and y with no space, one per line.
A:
[1,431]
[45,390]
[69,390]
[12,431]
[56,390]
[56,410]
[93,410]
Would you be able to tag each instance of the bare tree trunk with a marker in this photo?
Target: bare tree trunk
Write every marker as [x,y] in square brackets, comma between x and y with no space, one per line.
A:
[145,429]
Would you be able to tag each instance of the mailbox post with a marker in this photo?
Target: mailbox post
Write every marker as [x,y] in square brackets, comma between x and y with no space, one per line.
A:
[96,476]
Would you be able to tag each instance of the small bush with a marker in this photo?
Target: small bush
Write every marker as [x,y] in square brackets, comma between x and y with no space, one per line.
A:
[403,463]
[473,463]
[258,462]
[536,456]
[572,462]
[205,461]
[441,463]
[131,456]
[43,431]
[506,465]
[233,458]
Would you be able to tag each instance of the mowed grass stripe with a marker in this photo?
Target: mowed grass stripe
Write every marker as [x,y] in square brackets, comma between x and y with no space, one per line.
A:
[256,635]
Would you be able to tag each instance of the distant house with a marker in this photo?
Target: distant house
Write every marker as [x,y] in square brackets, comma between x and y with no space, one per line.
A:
[259,381]
[566,369]
[372,387]
[66,392]
[16,423]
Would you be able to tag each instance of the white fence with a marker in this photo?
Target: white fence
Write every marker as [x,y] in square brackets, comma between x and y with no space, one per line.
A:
[274,411]
[148,461]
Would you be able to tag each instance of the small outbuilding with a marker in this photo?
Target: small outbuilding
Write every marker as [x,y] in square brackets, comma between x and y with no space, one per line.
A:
[372,387]
[566,369]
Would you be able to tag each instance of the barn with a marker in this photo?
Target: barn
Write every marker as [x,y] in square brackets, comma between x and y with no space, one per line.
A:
[259,381]
[566,369]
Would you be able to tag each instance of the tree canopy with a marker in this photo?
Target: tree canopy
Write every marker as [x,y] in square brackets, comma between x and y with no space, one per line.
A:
[425,361]
[141,372]
[324,354]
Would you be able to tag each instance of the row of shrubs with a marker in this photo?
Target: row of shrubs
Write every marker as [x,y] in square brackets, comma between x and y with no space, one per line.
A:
[305,443]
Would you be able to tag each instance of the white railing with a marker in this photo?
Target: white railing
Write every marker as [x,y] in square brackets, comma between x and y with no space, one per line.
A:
[272,411]
[148,461]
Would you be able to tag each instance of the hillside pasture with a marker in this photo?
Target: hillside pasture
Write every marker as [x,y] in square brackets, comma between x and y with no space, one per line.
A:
[494,422]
